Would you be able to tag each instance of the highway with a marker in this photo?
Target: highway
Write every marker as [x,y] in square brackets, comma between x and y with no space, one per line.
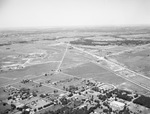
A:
[134,77]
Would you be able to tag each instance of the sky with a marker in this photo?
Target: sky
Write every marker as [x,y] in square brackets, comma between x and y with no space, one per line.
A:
[57,13]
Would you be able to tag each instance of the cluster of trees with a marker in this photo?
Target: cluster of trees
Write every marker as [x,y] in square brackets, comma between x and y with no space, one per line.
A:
[72,88]
[126,95]
[122,94]
[113,42]
[143,100]
[64,100]
[9,108]
[85,110]
[68,110]
[25,81]
[25,90]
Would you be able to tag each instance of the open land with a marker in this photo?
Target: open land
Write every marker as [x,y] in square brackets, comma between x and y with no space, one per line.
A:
[76,70]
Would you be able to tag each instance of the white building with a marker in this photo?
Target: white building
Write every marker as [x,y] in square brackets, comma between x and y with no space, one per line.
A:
[115,105]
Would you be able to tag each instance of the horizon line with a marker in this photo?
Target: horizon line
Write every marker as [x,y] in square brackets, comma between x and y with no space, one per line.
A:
[78,26]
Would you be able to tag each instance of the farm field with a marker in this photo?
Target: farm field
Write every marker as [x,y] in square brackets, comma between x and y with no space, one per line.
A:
[137,61]
[85,69]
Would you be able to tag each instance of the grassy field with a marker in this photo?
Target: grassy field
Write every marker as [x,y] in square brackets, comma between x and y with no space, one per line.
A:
[3,81]
[3,95]
[53,78]
[132,87]
[87,68]
[35,67]
[30,70]
[91,70]
[61,78]
[110,50]
[137,61]
[34,87]
[3,108]
[73,58]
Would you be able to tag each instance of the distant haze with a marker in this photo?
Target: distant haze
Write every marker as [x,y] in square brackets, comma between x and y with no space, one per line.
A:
[57,13]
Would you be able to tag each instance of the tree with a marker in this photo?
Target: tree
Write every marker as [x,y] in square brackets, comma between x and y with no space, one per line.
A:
[13,106]
[55,91]
[34,93]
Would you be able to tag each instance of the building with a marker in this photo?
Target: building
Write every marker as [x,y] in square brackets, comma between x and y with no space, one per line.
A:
[116,105]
